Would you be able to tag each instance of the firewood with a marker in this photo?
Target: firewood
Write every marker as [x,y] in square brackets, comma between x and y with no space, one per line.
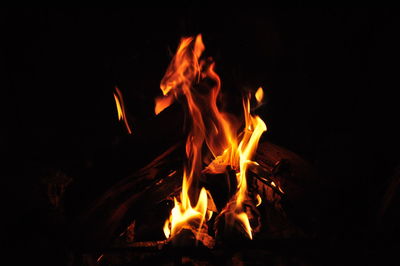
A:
[113,211]
[297,179]
[161,179]
[148,244]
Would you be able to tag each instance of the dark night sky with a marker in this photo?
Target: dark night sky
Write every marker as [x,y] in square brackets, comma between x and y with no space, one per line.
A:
[329,76]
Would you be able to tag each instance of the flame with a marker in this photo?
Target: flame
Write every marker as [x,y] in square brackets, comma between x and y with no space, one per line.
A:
[242,217]
[184,215]
[259,200]
[119,101]
[162,103]
[254,128]
[182,72]
[259,95]
[197,81]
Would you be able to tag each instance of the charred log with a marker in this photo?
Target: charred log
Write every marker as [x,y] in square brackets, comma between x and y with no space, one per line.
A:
[145,189]
[161,179]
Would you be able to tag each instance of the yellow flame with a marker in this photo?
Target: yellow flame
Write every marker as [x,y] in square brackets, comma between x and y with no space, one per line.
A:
[119,101]
[119,110]
[259,200]
[182,72]
[210,126]
[183,214]
[242,217]
[259,95]
[255,127]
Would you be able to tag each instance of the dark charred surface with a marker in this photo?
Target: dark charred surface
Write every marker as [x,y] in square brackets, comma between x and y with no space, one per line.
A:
[330,79]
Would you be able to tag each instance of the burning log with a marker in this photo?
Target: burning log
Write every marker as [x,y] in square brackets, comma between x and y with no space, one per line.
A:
[158,245]
[190,237]
[248,252]
[154,184]
[230,228]
[294,174]
[217,147]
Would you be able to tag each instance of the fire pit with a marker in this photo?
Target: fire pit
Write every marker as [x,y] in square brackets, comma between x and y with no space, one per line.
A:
[213,195]
[130,138]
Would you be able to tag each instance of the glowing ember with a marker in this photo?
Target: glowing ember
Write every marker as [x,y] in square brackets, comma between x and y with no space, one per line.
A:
[119,101]
[213,139]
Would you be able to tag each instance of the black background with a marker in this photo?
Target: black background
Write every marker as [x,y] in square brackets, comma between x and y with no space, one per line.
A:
[329,77]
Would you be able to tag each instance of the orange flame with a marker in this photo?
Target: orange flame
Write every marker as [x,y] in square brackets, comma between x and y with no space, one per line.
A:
[182,72]
[119,101]
[209,126]
[259,200]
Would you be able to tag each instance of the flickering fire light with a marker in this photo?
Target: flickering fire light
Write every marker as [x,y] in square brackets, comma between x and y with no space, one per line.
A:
[216,140]
[119,102]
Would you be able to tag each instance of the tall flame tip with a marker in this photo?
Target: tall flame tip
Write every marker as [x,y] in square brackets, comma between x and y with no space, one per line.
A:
[209,126]
[119,102]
